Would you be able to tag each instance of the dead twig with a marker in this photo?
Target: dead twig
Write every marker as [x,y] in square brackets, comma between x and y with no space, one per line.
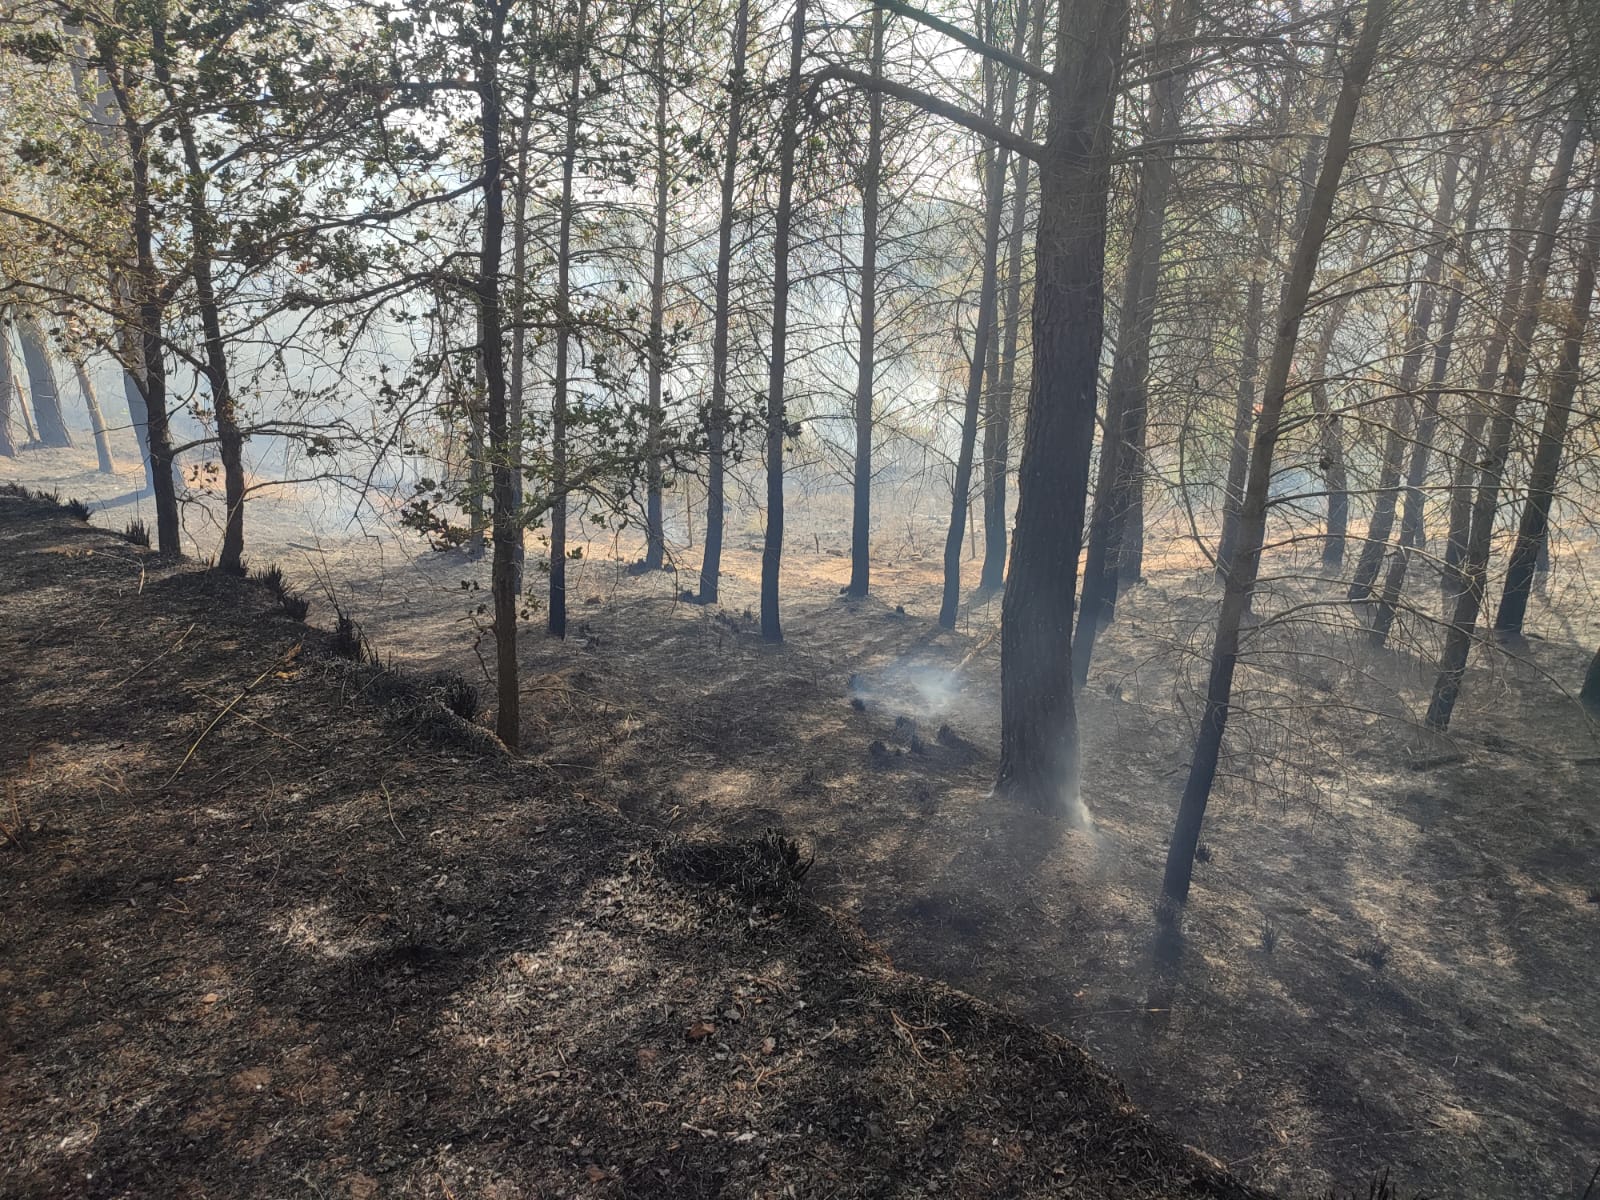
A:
[229,707]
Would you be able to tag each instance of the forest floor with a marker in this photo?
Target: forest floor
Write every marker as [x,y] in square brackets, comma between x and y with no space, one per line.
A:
[1388,956]
[278,924]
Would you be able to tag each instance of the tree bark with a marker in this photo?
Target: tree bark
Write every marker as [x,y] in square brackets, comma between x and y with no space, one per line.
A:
[1452,581]
[1412,526]
[1459,636]
[655,542]
[866,353]
[491,356]
[147,295]
[717,413]
[1122,447]
[777,417]
[1590,693]
[230,440]
[1534,526]
[1039,756]
[43,388]
[8,444]
[1243,415]
[1241,576]
[557,615]
[982,336]
[97,420]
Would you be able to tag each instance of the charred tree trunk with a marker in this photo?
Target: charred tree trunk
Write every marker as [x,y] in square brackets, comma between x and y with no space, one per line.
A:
[1412,526]
[1122,448]
[997,427]
[1459,636]
[1533,529]
[777,416]
[866,353]
[148,298]
[717,413]
[1453,580]
[1243,569]
[491,356]
[1590,693]
[1243,417]
[556,618]
[982,336]
[1335,476]
[655,541]
[43,388]
[1039,757]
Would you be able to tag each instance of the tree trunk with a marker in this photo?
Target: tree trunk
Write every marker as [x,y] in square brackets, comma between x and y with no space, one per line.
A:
[230,440]
[982,335]
[557,616]
[1122,448]
[866,354]
[147,294]
[655,542]
[1452,581]
[1335,477]
[97,420]
[1412,525]
[8,445]
[1534,527]
[1241,576]
[516,396]
[1039,762]
[42,386]
[777,417]
[1459,636]
[717,414]
[491,355]
[1590,693]
[1243,415]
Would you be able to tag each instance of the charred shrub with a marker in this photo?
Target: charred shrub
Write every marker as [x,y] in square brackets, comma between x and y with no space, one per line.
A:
[347,640]
[765,872]
[291,601]
[457,695]
[138,533]
[77,508]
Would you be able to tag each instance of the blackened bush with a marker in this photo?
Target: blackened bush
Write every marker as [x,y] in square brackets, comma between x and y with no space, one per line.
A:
[138,533]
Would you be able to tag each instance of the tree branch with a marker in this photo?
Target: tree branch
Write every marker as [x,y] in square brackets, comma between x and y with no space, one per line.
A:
[977,45]
[932,104]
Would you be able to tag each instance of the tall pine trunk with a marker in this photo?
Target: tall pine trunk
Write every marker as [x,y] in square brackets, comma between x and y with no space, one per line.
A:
[1122,448]
[982,337]
[777,416]
[97,420]
[556,618]
[655,542]
[866,353]
[717,413]
[1243,570]
[1534,527]
[1039,754]
[43,388]
[1474,569]
[8,444]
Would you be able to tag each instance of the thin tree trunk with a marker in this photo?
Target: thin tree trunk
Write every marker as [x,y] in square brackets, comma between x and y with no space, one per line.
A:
[717,414]
[97,420]
[147,293]
[8,445]
[1412,525]
[1452,581]
[230,440]
[1533,529]
[655,542]
[516,397]
[1243,414]
[1122,448]
[777,417]
[42,386]
[1039,757]
[1335,477]
[557,616]
[1241,576]
[491,355]
[1459,636]
[997,453]
[866,354]
[1590,693]
[982,336]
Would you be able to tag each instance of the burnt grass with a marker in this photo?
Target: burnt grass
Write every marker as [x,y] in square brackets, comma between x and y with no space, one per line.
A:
[282,923]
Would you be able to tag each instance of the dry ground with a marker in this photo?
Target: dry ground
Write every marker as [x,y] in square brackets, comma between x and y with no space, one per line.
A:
[1388,955]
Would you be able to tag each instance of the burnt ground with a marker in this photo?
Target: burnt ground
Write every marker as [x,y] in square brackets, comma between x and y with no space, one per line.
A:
[275,924]
[1388,959]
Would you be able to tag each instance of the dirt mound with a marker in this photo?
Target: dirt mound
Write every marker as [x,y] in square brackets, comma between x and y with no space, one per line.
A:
[268,933]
